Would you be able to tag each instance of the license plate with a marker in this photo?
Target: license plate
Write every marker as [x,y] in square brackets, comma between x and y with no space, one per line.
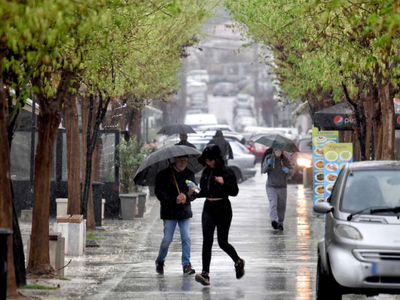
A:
[386,268]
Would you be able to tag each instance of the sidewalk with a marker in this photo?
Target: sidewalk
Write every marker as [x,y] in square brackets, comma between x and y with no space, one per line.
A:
[279,265]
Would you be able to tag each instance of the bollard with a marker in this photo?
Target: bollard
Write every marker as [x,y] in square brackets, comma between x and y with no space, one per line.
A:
[141,204]
[4,235]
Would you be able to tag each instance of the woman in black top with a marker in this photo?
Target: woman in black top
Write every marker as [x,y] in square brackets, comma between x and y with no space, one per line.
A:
[217,183]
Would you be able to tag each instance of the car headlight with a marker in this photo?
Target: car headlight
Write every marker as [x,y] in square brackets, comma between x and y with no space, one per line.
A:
[348,232]
[304,162]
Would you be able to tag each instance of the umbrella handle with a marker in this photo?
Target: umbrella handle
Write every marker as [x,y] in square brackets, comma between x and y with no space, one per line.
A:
[177,185]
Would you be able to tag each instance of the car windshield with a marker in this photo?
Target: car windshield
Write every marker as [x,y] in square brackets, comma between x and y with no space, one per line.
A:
[371,189]
[305,145]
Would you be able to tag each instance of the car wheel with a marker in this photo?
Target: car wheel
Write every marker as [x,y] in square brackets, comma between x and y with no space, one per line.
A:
[238,174]
[326,285]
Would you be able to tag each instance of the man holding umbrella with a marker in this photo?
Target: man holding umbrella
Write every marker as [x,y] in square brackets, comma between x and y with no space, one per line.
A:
[175,197]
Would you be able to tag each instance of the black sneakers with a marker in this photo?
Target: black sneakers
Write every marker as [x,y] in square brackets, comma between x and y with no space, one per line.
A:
[187,269]
[160,267]
[280,227]
[274,224]
[203,278]
[239,267]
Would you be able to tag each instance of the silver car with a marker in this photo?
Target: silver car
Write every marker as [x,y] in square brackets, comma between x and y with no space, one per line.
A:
[360,253]
[243,162]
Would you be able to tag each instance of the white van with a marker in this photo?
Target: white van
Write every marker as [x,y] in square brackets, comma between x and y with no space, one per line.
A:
[195,120]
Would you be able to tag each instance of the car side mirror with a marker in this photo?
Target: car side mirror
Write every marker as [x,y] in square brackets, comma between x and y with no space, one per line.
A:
[323,208]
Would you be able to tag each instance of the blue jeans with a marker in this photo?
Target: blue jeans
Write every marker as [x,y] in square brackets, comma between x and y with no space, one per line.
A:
[169,229]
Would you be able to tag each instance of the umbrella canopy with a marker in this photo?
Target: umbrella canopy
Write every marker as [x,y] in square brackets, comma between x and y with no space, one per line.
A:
[337,117]
[276,141]
[161,159]
[176,129]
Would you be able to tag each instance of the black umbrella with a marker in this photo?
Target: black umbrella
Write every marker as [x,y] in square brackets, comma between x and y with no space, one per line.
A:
[337,117]
[161,159]
[276,141]
[176,129]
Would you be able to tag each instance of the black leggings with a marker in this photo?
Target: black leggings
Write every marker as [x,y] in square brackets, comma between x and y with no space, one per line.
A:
[216,214]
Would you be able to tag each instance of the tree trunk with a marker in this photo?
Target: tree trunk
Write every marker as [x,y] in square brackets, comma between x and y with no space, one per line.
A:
[5,188]
[369,115]
[377,128]
[86,204]
[49,121]
[134,126]
[386,99]
[91,144]
[73,153]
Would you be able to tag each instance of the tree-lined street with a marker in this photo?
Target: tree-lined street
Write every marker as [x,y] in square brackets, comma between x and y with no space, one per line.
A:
[280,265]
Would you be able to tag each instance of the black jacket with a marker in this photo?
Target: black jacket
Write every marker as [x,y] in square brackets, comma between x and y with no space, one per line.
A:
[223,144]
[166,192]
[186,143]
[210,188]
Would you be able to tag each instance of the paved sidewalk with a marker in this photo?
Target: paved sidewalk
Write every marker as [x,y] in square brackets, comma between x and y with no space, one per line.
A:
[279,265]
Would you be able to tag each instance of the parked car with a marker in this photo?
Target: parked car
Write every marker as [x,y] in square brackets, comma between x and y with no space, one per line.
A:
[301,159]
[360,252]
[199,75]
[225,89]
[243,162]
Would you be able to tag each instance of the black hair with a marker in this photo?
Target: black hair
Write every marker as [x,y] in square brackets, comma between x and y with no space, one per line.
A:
[212,151]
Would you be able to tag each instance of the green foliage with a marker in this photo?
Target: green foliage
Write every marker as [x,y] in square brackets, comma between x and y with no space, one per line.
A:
[316,45]
[131,156]
[38,287]
[91,237]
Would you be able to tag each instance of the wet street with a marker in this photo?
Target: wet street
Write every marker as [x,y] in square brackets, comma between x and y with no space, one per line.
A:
[279,265]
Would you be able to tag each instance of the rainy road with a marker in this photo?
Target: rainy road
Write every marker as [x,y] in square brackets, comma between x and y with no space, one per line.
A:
[279,265]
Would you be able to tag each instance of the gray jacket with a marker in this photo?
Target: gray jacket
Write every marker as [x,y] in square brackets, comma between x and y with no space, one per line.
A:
[276,176]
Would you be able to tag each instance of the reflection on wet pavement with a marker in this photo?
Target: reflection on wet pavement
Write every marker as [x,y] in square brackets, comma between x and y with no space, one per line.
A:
[280,265]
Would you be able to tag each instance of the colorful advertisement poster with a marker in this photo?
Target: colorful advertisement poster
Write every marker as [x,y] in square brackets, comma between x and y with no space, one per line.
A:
[336,155]
[319,140]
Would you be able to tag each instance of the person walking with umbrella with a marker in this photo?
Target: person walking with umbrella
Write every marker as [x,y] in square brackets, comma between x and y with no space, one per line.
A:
[217,183]
[175,197]
[277,166]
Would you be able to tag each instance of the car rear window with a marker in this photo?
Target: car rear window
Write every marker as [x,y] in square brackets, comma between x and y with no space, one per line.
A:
[366,189]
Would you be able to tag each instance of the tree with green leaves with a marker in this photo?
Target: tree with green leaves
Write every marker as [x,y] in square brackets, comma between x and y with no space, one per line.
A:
[112,47]
[347,49]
